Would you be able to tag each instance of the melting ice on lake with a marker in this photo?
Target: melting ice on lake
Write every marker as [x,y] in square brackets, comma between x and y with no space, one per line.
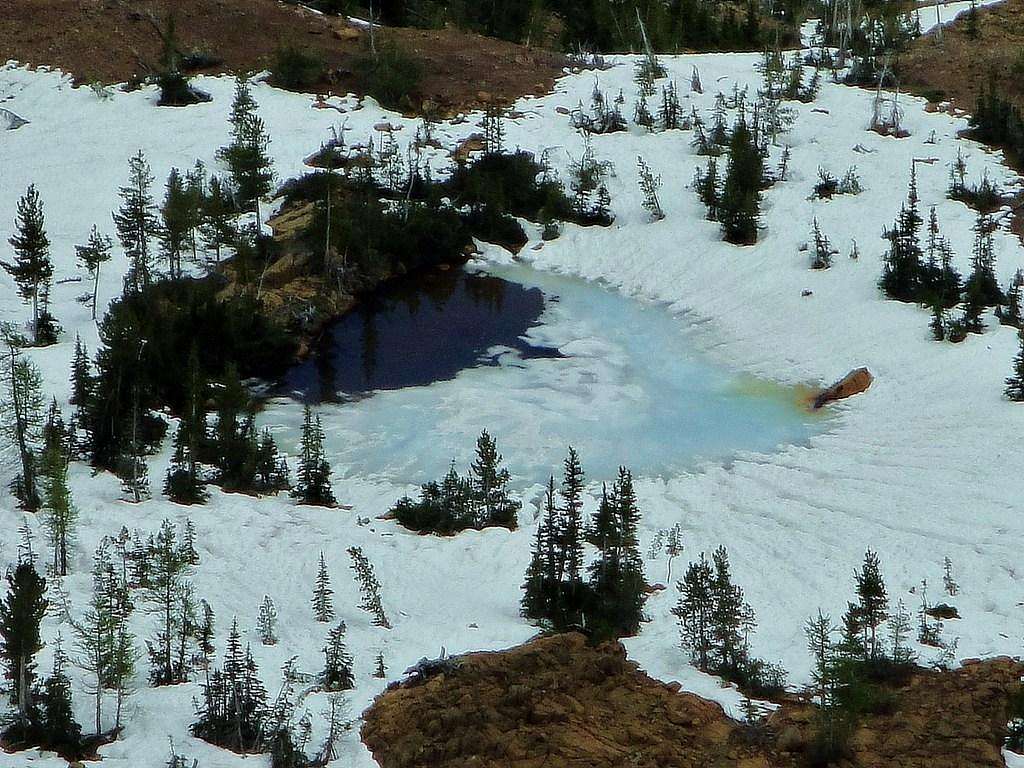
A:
[541,361]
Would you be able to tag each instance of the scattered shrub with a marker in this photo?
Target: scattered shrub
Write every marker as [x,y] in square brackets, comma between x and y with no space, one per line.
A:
[391,76]
[295,67]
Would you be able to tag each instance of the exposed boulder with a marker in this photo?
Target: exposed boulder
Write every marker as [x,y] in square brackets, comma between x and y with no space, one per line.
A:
[853,383]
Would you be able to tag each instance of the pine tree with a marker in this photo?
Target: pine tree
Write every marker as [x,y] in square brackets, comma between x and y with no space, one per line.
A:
[205,633]
[490,485]
[92,256]
[380,671]
[20,616]
[61,730]
[61,514]
[1015,383]
[669,114]
[822,249]
[271,467]
[31,269]
[176,216]
[166,593]
[673,548]
[217,217]
[541,584]
[642,114]
[741,193]
[266,622]
[899,634]
[323,603]
[369,587]
[1011,315]
[873,603]
[819,632]
[706,184]
[730,616]
[132,466]
[184,483]
[21,419]
[248,156]
[569,532]
[649,186]
[337,672]
[902,273]
[982,279]
[136,222]
[694,611]
[314,476]
[83,386]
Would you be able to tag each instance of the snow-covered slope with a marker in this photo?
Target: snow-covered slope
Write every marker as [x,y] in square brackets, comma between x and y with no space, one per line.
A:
[924,465]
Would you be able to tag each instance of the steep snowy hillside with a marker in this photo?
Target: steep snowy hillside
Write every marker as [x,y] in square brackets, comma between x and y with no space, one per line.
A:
[925,465]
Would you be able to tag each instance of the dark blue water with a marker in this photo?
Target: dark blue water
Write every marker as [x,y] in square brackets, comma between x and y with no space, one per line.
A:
[417,331]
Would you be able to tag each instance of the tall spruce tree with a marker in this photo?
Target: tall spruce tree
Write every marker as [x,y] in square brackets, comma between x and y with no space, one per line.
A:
[176,217]
[982,280]
[739,209]
[313,485]
[21,419]
[1015,382]
[323,601]
[490,485]
[165,592]
[247,156]
[569,533]
[20,616]
[694,611]
[137,223]
[184,483]
[873,603]
[337,672]
[94,254]
[217,216]
[59,508]
[31,268]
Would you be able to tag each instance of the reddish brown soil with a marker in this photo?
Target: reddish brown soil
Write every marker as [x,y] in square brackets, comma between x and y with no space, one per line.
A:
[116,41]
[557,702]
[958,65]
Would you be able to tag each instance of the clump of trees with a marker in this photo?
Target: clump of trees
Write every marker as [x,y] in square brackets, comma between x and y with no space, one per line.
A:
[479,500]
[562,591]
[715,623]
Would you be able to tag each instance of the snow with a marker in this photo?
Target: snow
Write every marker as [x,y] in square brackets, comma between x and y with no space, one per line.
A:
[924,465]
[934,14]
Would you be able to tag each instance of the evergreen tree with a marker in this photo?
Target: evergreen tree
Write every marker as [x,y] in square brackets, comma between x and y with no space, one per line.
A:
[706,184]
[569,531]
[271,467]
[369,587]
[61,514]
[1012,313]
[266,622]
[184,483]
[649,185]
[233,448]
[314,477]
[741,193]
[176,215]
[31,268]
[323,603]
[166,593]
[92,256]
[669,114]
[873,603]
[20,616]
[731,616]
[541,583]
[60,729]
[83,386]
[694,611]
[217,217]
[982,279]
[1015,383]
[247,156]
[136,222]
[337,672]
[21,419]
[902,273]
[490,485]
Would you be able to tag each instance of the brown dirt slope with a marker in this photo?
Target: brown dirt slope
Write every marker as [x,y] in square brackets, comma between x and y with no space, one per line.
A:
[958,65]
[558,703]
[553,702]
[115,41]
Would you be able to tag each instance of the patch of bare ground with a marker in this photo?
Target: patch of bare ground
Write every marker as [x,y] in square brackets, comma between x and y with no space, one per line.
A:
[956,65]
[557,701]
[114,41]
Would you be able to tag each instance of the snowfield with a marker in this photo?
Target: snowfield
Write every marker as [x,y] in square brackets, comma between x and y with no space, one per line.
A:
[926,464]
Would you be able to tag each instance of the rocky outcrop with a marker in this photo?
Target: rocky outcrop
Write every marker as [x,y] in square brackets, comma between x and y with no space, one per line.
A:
[853,383]
[938,719]
[552,702]
[557,702]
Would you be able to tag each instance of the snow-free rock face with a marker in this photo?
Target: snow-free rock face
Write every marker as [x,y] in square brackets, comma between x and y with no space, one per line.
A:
[556,702]
[853,383]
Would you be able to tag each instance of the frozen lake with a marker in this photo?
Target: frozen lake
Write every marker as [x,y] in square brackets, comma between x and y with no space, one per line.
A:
[541,361]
